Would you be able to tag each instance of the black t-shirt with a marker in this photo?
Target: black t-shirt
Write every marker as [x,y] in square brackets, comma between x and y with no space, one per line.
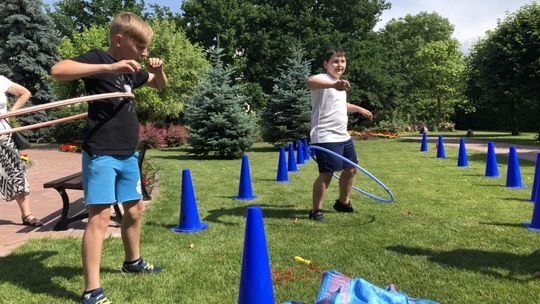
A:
[112,126]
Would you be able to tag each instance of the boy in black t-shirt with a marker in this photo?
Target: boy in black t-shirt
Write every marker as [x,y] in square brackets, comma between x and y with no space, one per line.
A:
[110,169]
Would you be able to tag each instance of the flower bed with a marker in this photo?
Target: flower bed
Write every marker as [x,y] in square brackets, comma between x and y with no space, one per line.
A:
[69,148]
[365,135]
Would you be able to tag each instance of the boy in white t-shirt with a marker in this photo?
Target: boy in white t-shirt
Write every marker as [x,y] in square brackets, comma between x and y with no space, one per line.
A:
[329,131]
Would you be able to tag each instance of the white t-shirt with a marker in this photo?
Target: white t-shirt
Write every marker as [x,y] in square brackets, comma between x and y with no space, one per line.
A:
[4,86]
[328,114]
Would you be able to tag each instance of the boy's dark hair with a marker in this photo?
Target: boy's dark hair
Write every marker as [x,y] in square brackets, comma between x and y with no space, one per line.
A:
[331,53]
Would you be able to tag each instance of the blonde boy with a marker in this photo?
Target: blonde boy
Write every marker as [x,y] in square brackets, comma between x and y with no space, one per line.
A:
[109,165]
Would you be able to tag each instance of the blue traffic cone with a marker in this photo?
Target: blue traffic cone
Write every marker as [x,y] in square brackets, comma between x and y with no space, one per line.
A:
[424,147]
[462,157]
[306,150]
[189,216]
[292,161]
[536,180]
[299,153]
[534,224]
[440,148]
[282,175]
[491,162]
[245,193]
[513,175]
[256,279]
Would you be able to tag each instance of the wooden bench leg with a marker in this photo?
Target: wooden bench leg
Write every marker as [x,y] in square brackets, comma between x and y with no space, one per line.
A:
[64,220]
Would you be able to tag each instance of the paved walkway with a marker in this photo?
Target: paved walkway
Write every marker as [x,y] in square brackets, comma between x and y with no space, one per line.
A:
[48,163]
[524,152]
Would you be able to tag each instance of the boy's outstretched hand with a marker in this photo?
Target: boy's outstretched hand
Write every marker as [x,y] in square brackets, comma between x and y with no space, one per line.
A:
[342,85]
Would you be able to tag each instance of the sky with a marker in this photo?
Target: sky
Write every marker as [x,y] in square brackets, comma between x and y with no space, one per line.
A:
[471,18]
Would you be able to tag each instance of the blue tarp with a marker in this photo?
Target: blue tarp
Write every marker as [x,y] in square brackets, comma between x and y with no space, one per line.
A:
[337,288]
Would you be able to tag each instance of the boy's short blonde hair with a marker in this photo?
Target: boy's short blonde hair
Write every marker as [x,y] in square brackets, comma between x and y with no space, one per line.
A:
[133,26]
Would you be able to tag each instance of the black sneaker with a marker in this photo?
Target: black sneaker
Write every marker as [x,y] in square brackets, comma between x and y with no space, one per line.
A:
[96,297]
[318,215]
[141,266]
[339,207]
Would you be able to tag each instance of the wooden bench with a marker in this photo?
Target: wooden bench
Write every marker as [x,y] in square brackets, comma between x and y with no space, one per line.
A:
[74,182]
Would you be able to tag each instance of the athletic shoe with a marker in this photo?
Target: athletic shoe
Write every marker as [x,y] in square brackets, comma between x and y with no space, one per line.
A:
[96,297]
[318,215]
[141,266]
[339,207]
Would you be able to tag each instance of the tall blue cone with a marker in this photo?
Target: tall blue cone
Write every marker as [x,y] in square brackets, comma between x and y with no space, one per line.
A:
[256,279]
[491,162]
[424,147]
[244,189]
[306,150]
[462,157]
[536,181]
[440,148]
[513,176]
[299,153]
[534,224]
[189,216]
[282,174]
[292,161]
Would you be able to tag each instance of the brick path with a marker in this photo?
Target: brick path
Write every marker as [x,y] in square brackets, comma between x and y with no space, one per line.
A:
[48,163]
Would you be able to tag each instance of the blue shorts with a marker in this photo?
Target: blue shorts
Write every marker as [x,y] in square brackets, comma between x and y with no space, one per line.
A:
[110,179]
[329,163]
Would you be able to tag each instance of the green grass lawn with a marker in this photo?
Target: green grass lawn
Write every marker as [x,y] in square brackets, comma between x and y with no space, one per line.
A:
[452,235]
[524,138]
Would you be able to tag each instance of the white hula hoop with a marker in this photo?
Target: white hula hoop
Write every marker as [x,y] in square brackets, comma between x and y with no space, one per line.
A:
[57,104]
[366,172]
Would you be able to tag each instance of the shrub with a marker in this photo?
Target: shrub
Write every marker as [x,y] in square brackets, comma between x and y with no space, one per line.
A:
[176,136]
[152,136]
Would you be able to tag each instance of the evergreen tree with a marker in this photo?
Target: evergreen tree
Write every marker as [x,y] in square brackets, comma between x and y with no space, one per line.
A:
[287,115]
[28,43]
[216,119]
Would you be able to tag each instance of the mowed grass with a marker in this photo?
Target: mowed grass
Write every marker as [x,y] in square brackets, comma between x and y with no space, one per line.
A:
[452,235]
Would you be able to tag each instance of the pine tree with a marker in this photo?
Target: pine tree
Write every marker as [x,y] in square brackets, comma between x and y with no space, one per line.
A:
[28,42]
[216,119]
[287,115]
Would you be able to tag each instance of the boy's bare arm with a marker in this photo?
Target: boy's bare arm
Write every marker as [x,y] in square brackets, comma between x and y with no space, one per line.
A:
[354,108]
[70,69]
[314,83]
[157,79]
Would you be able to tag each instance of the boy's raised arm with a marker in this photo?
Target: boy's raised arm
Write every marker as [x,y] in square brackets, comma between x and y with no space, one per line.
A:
[70,69]
[314,83]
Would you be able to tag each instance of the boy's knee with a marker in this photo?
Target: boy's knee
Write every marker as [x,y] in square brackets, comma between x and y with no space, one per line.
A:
[134,210]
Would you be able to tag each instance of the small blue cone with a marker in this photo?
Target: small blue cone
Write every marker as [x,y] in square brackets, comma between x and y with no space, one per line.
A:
[306,150]
[424,147]
[462,157]
[292,161]
[491,163]
[534,224]
[256,279]
[282,175]
[299,153]
[189,216]
[536,180]
[244,189]
[513,175]
[440,148]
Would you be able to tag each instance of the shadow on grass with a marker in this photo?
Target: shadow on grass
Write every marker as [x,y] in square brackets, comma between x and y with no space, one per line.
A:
[268,211]
[485,262]
[28,272]
[513,225]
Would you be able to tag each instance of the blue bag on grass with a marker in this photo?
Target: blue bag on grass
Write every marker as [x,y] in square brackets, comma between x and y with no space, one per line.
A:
[337,288]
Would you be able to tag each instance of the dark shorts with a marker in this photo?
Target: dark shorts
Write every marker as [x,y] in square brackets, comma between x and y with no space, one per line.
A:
[329,163]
